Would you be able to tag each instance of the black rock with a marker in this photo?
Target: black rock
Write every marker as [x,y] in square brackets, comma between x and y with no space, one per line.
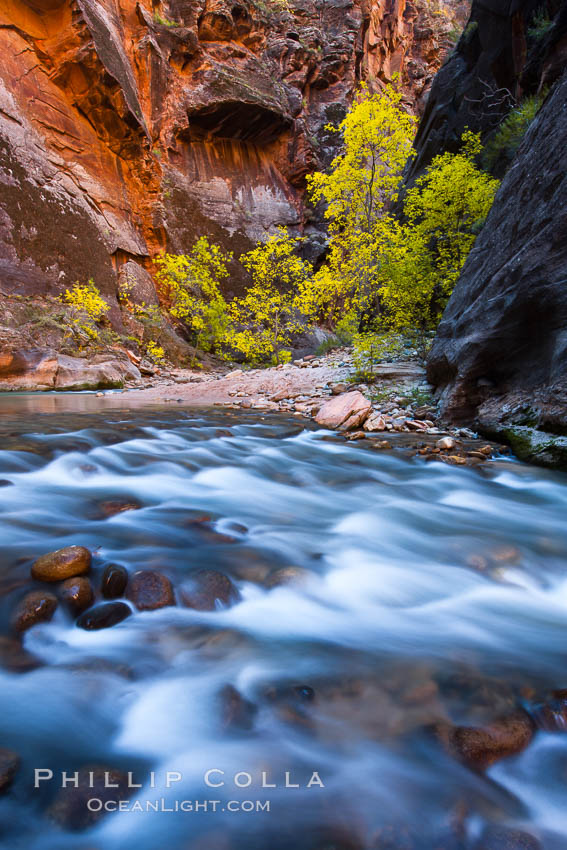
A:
[114,581]
[104,616]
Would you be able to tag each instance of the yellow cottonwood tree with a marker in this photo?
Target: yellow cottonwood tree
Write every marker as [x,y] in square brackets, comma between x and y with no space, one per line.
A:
[269,313]
[364,178]
[193,283]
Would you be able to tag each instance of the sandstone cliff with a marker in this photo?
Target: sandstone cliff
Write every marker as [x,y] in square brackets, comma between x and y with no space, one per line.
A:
[128,127]
[501,350]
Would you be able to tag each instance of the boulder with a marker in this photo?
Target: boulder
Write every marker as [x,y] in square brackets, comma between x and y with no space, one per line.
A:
[39,606]
[38,369]
[344,412]
[76,374]
[149,590]
[64,563]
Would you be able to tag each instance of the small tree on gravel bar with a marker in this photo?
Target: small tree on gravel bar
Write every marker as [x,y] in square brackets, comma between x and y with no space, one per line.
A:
[270,314]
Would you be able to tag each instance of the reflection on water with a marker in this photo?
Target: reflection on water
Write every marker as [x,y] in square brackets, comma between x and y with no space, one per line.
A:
[423,595]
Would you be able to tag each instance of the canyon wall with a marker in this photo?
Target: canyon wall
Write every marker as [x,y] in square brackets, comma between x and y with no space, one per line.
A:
[128,127]
[500,354]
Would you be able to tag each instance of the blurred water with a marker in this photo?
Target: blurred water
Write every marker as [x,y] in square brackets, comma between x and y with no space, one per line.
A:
[395,630]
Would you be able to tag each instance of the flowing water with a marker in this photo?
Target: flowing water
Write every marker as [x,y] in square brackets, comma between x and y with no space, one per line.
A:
[431,594]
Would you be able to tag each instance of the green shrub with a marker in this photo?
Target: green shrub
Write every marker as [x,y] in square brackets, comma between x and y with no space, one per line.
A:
[541,24]
[506,141]
[372,348]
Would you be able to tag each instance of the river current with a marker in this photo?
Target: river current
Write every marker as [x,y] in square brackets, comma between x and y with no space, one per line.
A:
[426,594]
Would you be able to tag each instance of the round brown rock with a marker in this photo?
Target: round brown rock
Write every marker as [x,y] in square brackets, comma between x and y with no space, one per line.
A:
[149,590]
[39,606]
[77,594]
[9,764]
[206,588]
[481,746]
[114,581]
[104,616]
[64,563]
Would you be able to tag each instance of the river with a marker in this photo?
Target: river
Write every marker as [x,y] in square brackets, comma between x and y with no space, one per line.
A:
[424,594]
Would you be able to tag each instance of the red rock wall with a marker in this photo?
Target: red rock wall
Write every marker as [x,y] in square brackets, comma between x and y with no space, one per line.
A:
[127,127]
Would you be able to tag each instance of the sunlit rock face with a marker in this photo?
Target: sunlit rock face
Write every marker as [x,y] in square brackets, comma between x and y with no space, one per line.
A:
[127,127]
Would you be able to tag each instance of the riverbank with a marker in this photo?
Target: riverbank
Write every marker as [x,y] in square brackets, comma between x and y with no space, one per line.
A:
[396,409]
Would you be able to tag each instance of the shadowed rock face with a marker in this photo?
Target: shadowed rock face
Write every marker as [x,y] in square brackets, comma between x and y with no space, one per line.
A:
[127,127]
[501,348]
[497,61]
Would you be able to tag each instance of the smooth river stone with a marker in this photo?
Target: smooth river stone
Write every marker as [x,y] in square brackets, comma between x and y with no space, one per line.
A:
[206,588]
[104,616]
[77,594]
[114,581]
[64,563]
[149,590]
[480,746]
[39,606]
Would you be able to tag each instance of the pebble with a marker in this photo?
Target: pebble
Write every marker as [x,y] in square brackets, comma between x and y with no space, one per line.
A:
[104,616]
[77,594]
[39,606]
[114,581]
[61,564]
[9,765]
[208,588]
[149,590]
[356,435]
[446,443]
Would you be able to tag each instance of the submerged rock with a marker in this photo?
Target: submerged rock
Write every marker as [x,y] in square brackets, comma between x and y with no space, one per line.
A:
[39,606]
[70,808]
[64,563]
[9,765]
[344,412]
[149,590]
[501,838]
[288,575]
[236,711]
[480,746]
[104,616]
[208,588]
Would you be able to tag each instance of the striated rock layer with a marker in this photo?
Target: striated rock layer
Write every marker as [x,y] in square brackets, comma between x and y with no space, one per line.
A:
[127,127]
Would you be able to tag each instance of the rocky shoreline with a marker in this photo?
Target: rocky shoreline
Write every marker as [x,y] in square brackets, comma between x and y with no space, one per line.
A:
[395,409]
